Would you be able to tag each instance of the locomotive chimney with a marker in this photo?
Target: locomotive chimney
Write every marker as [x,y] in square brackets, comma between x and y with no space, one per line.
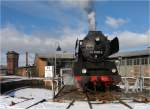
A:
[26,58]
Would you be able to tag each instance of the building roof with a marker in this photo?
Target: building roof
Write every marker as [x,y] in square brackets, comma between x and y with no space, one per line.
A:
[145,52]
[58,48]
[58,54]
[12,52]
[68,55]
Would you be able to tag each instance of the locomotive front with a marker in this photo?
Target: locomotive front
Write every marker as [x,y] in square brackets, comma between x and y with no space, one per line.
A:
[93,67]
[95,46]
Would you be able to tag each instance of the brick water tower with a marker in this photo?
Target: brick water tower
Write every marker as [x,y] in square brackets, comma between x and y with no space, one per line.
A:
[12,62]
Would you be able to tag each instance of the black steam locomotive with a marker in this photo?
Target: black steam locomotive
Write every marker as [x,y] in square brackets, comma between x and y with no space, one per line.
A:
[93,68]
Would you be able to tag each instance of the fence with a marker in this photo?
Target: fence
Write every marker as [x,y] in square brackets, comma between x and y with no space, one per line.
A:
[135,72]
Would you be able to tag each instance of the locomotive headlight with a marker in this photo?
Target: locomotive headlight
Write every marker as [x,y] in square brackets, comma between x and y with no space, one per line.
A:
[114,70]
[84,70]
[80,43]
[97,39]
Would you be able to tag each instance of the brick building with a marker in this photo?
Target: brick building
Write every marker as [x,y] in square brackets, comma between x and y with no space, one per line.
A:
[23,71]
[60,58]
[12,62]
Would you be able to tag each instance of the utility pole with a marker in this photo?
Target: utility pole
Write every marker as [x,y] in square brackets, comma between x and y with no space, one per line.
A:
[26,58]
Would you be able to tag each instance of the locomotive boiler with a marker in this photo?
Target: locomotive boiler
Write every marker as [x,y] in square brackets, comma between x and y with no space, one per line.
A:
[93,69]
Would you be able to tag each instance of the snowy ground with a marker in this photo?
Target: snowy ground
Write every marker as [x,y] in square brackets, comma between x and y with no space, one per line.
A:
[21,99]
[11,78]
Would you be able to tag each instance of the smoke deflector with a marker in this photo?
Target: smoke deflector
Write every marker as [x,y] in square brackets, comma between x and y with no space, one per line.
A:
[114,44]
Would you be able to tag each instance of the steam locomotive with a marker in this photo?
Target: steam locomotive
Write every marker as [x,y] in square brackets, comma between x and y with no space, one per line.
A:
[93,69]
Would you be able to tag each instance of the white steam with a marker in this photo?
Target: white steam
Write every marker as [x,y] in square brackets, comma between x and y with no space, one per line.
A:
[91,21]
[87,6]
[91,15]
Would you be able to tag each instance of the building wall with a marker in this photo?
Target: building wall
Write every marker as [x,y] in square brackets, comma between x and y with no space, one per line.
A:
[40,66]
[135,70]
[130,66]
[23,71]
[60,63]
[133,67]
[3,71]
[12,62]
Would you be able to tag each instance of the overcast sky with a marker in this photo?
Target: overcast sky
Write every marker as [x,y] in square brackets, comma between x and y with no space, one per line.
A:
[38,26]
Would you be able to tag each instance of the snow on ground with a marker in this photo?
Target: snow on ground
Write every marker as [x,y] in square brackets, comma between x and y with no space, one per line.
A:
[39,94]
[121,106]
[5,102]
[132,87]
[52,105]
[35,93]
[16,78]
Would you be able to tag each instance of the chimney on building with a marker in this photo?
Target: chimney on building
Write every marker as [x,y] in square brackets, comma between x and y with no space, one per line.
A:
[26,59]
[12,62]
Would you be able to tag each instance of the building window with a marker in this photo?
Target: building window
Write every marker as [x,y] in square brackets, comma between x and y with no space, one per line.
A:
[129,62]
[136,61]
[122,62]
[144,61]
[49,63]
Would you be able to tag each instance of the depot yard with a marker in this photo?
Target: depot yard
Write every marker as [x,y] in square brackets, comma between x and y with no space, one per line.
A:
[29,98]
[70,98]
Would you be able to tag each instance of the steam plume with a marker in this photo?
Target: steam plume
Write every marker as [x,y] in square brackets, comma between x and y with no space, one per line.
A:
[91,21]
[91,15]
[87,6]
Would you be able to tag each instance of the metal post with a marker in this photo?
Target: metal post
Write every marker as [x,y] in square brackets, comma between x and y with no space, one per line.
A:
[120,61]
[125,67]
[61,75]
[53,84]
[53,88]
[55,64]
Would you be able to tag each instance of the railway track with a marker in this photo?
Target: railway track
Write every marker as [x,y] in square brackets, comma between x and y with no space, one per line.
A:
[88,97]
[70,104]
[88,101]
[120,101]
[91,104]
[107,97]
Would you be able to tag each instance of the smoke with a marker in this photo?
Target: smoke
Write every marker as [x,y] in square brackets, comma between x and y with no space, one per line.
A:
[91,15]
[87,6]
[91,21]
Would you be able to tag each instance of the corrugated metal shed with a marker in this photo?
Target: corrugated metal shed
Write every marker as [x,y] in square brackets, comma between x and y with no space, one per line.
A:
[145,52]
